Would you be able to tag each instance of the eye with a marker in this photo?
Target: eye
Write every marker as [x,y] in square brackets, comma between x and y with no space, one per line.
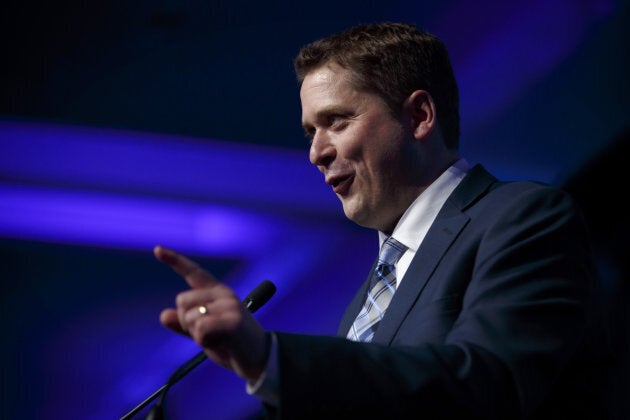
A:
[337,122]
[309,133]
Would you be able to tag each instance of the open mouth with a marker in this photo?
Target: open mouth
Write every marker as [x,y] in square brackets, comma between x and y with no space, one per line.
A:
[341,185]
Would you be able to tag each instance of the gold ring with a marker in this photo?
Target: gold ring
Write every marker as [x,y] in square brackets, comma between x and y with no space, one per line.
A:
[202,310]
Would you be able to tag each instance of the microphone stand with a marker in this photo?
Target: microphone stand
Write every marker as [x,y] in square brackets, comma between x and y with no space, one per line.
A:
[254,300]
[183,370]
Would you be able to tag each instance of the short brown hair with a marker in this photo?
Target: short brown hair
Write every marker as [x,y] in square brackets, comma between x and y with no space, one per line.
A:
[391,60]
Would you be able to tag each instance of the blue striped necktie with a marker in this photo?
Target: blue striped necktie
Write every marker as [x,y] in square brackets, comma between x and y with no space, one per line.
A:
[380,292]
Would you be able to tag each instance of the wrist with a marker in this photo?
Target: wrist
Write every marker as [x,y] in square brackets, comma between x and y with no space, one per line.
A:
[258,360]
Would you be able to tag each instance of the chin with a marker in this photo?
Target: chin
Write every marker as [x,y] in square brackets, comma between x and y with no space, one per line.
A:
[359,217]
[350,212]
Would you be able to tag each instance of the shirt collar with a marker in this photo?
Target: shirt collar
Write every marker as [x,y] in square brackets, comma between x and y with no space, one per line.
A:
[415,222]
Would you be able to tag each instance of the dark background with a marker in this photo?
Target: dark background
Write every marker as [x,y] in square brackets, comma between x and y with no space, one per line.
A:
[544,95]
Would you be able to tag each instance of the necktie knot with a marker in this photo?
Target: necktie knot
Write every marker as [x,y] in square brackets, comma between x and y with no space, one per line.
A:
[391,251]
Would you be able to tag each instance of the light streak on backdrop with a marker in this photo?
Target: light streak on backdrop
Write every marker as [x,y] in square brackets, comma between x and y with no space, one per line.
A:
[266,209]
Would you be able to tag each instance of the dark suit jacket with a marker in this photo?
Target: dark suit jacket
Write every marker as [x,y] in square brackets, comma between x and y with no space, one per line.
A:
[493,319]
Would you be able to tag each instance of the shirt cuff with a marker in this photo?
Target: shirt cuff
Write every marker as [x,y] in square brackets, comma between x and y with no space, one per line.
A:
[266,387]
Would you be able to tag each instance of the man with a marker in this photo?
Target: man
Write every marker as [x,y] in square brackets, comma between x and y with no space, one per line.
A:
[491,315]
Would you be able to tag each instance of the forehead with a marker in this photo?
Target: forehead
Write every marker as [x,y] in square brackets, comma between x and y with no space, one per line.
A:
[326,77]
[326,86]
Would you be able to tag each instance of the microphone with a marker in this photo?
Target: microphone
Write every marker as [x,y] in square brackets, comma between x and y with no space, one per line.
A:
[259,296]
[253,301]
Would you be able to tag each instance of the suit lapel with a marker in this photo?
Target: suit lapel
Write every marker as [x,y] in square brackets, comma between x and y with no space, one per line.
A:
[450,221]
[439,237]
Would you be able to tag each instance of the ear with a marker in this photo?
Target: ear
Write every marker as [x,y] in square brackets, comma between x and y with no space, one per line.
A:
[421,109]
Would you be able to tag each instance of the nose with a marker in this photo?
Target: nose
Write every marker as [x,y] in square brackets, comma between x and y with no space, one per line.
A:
[322,151]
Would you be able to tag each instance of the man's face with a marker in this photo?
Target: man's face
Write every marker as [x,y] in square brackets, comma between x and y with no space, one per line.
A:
[362,150]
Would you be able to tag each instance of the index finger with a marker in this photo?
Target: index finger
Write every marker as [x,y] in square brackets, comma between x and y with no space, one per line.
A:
[195,276]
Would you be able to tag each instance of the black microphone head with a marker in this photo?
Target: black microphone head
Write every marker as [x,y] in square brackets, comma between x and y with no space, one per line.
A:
[259,296]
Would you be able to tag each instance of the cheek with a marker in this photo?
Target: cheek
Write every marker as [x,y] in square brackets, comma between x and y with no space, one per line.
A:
[381,164]
[376,150]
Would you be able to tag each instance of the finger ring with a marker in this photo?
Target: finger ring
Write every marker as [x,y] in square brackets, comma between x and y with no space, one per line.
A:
[202,310]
